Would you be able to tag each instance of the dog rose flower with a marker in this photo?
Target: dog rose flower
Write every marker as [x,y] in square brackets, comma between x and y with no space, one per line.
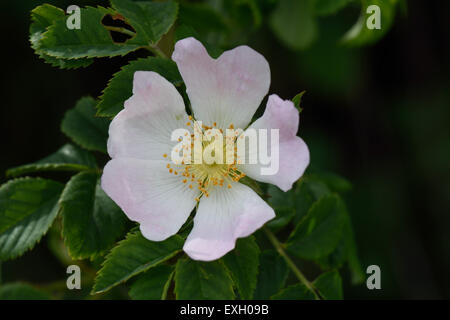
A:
[160,195]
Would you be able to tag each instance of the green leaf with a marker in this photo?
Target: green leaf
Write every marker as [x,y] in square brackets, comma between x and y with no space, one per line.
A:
[243,263]
[197,280]
[153,284]
[81,125]
[272,276]
[284,205]
[297,100]
[329,285]
[294,292]
[360,35]
[319,233]
[354,264]
[132,256]
[120,86]
[327,7]
[42,17]
[92,222]
[28,207]
[21,291]
[90,41]
[67,158]
[303,200]
[151,20]
[294,23]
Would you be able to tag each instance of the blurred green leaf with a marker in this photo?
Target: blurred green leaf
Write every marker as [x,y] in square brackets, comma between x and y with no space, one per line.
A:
[333,181]
[132,256]
[318,234]
[28,207]
[294,23]
[153,284]
[197,280]
[21,291]
[42,17]
[201,17]
[294,292]
[329,285]
[67,158]
[327,7]
[360,35]
[243,263]
[92,222]
[84,128]
[272,276]
[120,86]
[150,20]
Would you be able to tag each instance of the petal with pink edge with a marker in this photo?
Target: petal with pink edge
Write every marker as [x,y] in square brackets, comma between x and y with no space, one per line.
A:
[150,195]
[224,216]
[143,129]
[293,152]
[227,90]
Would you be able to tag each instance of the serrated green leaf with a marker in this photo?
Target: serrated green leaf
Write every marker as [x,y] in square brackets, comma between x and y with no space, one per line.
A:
[132,256]
[297,100]
[28,207]
[90,41]
[360,35]
[151,20]
[92,222]
[42,17]
[294,292]
[84,128]
[243,263]
[319,233]
[327,7]
[329,285]
[197,280]
[21,291]
[67,158]
[120,86]
[294,23]
[272,275]
[153,284]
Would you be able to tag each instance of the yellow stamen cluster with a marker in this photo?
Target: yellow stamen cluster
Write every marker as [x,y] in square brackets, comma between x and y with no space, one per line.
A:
[206,176]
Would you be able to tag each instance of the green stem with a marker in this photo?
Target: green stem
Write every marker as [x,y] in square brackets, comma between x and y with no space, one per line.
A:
[278,246]
[121,30]
[156,51]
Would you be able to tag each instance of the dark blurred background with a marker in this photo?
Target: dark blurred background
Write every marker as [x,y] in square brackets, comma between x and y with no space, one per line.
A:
[379,116]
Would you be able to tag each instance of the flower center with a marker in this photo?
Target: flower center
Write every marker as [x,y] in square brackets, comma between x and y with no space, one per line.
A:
[208,174]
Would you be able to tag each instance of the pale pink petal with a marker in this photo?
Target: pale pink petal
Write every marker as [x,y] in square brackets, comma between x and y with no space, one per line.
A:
[143,129]
[293,152]
[150,195]
[224,216]
[227,90]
